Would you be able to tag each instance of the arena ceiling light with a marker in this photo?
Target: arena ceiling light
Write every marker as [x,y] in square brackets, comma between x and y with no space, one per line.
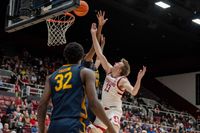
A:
[162,5]
[197,21]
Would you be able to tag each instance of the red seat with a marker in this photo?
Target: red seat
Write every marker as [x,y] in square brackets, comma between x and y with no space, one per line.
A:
[34,102]
[12,98]
[7,103]
[1,101]
[6,98]
[1,97]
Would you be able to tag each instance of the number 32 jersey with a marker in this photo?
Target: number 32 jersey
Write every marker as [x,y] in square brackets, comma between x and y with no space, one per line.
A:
[67,93]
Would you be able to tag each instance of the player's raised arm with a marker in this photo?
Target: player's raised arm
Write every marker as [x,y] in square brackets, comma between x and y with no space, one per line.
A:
[101,21]
[42,108]
[90,54]
[106,65]
[102,41]
[124,83]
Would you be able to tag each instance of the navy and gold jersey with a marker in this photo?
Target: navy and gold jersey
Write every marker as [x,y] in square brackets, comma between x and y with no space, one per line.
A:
[68,98]
[90,65]
[97,79]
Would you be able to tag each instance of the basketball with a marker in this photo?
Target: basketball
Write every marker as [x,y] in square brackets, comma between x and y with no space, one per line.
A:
[82,10]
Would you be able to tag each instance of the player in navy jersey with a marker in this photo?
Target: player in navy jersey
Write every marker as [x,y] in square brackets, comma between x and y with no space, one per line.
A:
[88,59]
[67,87]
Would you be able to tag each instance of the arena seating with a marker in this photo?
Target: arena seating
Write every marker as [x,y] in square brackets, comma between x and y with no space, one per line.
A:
[139,114]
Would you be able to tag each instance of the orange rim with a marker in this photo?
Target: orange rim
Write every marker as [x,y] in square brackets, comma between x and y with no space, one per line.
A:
[60,21]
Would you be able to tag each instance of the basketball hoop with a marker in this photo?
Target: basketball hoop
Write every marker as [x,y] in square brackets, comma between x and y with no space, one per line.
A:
[57,28]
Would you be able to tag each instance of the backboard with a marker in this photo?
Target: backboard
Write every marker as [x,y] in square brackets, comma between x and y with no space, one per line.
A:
[24,13]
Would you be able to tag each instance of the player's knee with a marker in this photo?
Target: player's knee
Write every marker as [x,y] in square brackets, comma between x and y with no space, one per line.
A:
[116,127]
[93,129]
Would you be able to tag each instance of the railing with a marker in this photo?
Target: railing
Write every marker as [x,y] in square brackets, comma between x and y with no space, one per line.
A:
[149,101]
[177,113]
[7,86]
[5,73]
[26,89]
[124,103]
[31,91]
[165,112]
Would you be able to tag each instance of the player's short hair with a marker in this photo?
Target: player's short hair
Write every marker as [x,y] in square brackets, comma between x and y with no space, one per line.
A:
[73,52]
[125,68]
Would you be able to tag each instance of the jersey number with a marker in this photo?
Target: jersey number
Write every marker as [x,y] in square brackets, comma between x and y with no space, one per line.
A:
[107,87]
[63,85]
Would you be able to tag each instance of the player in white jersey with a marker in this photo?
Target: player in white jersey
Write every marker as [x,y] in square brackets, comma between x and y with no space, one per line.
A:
[115,85]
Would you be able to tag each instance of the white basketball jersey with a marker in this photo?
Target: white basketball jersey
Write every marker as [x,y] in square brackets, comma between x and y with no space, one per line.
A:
[111,93]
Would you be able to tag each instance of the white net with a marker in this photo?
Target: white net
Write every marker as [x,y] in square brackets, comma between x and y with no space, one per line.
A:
[57,28]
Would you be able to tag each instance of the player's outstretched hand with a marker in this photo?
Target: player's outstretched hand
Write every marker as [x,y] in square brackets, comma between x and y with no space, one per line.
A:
[101,18]
[142,72]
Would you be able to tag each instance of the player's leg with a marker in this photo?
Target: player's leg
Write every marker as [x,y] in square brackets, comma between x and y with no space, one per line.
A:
[116,127]
[93,129]
[115,117]
[96,127]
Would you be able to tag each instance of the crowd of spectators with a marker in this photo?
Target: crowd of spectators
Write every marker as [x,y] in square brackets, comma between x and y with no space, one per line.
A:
[138,118]
[19,115]
[29,69]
